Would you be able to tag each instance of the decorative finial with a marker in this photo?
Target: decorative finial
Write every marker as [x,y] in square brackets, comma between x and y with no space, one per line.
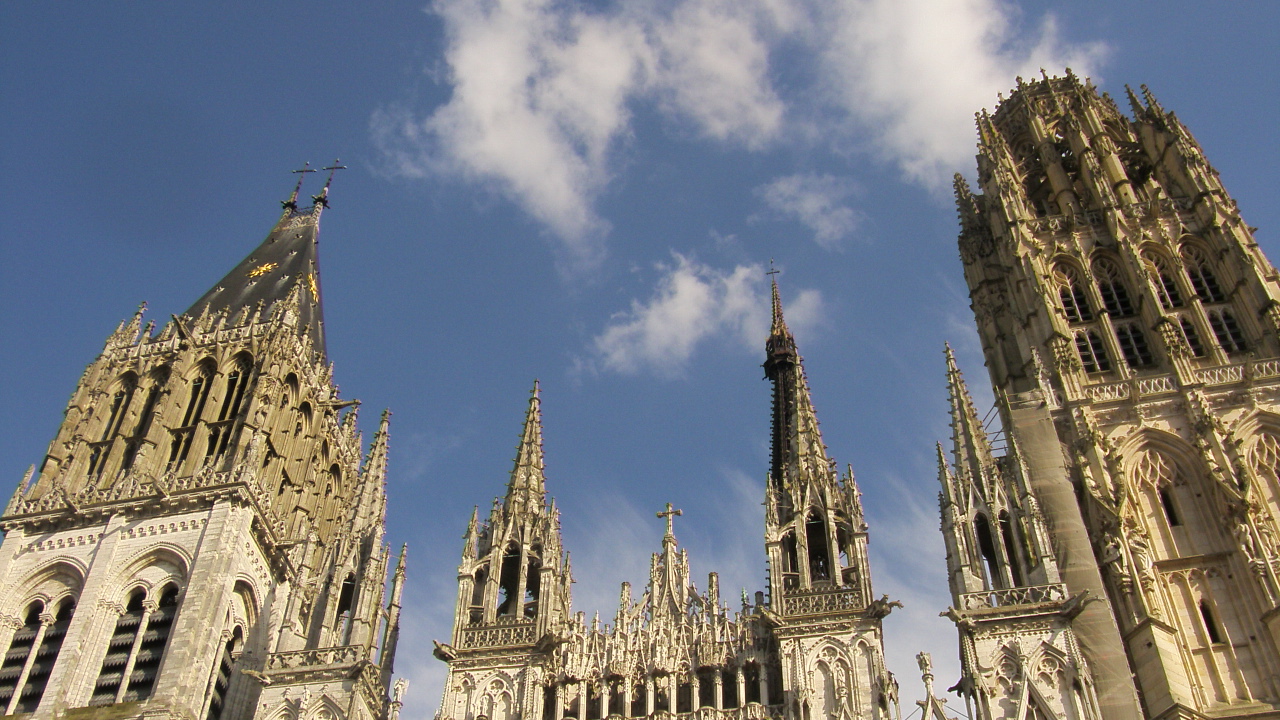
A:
[670,514]
[292,202]
[323,198]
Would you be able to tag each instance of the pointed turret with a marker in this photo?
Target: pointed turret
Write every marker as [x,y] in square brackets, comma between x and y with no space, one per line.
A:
[971,447]
[267,277]
[527,489]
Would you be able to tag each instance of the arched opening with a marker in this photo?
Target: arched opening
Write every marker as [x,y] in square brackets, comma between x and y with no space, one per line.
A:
[661,696]
[532,588]
[1093,354]
[1010,549]
[987,546]
[475,613]
[1170,509]
[509,581]
[180,445]
[232,400]
[790,562]
[728,689]
[1200,273]
[1227,331]
[617,703]
[1133,345]
[751,681]
[1166,286]
[151,649]
[707,687]
[1212,631]
[684,696]
[639,698]
[1075,303]
[1192,336]
[222,681]
[346,598]
[159,377]
[593,709]
[548,702]
[1112,289]
[819,552]
[109,686]
[19,653]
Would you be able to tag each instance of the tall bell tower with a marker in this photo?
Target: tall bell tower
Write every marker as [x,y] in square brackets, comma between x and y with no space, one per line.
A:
[828,626]
[204,536]
[1131,328]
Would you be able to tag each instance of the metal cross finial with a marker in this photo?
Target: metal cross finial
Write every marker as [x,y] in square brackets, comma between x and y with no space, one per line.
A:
[669,514]
[323,197]
[292,202]
[772,270]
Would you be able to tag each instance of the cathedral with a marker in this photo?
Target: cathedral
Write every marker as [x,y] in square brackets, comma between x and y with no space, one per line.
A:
[204,537]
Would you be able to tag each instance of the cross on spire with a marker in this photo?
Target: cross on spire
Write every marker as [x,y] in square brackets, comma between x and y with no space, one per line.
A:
[323,198]
[772,270]
[292,202]
[670,514]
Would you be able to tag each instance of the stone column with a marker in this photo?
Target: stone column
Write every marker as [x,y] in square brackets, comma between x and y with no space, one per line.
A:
[45,621]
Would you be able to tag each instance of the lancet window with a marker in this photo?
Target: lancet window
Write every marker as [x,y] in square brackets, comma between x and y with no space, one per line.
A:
[136,648]
[222,680]
[819,550]
[1075,303]
[1200,272]
[1112,289]
[158,378]
[184,434]
[32,652]
[119,407]
[1166,285]
[232,399]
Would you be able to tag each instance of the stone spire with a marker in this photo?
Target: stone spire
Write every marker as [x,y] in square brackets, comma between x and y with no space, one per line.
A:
[527,489]
[266,280]
[971,447]
[798,452]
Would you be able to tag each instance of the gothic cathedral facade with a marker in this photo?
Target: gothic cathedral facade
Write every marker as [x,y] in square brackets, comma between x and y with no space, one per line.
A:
[204,537]
[1112,552]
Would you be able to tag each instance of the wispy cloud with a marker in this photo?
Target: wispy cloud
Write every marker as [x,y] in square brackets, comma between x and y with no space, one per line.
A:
[817,201]
[543,90]
[693,303]
[911,73]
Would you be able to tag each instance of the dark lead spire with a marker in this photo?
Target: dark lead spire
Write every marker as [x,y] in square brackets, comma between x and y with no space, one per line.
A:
[284,268]
[797,445]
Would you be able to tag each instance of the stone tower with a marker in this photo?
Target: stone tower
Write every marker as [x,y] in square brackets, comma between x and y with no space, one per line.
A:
[204,537]
[812,649]
[1130,324]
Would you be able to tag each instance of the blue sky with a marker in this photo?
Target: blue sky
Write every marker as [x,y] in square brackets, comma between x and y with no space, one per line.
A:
[586,193]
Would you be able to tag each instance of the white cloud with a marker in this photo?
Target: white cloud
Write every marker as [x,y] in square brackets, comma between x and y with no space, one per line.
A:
[817,201]
[541,91]
[691,304]
[913,73]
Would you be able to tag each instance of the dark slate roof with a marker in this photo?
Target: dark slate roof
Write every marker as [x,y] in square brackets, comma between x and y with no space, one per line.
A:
[286,258]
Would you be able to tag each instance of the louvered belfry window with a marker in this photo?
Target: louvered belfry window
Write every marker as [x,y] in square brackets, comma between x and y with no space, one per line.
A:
[136,648]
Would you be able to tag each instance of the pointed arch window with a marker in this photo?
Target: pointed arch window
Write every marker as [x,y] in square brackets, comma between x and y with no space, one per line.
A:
[1200,272]
[1166,286]
[1010,548]
[1211,629]
[159,377]
[1154,470]
[32,652]
[790,561]
[509,581]
[1133,345]
[226,667]
[1227,330]
[987,546]
[532,588]
[1071,294]
[119,408]
[476,611]
[180,445]
[1112,289]
[819,550]
[232,399]
[1093,355]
